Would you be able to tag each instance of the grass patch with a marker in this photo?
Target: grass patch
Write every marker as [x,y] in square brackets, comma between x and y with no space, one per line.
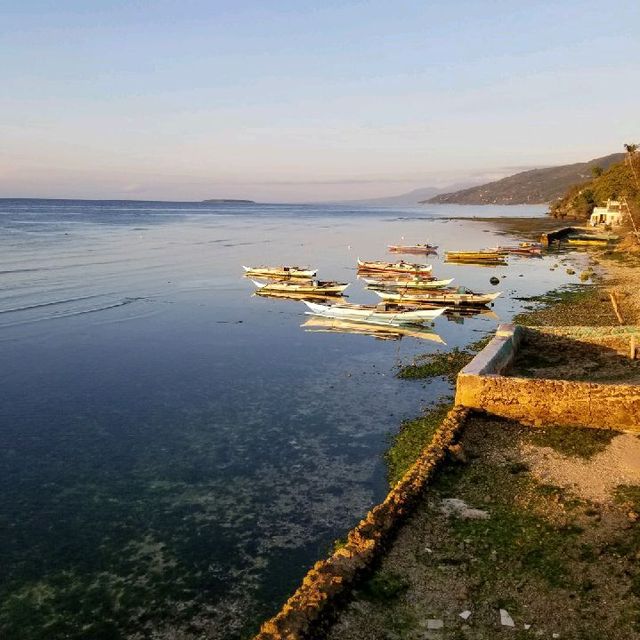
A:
[573,441]
[576,304]
[413,437]
[514,540]
[433,365]
[628,494]
[384,587]
[443,363]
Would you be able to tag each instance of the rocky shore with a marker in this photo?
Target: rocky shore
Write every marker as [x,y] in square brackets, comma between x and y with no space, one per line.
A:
[530,531]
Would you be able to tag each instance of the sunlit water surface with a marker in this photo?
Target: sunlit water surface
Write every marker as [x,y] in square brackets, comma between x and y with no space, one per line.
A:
[174,451]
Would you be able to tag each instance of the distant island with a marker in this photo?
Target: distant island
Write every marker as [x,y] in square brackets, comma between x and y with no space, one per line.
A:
[227,201]
[537,186]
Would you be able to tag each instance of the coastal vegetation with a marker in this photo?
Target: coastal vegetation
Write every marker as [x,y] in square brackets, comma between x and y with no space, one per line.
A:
[619,180]
[580,304]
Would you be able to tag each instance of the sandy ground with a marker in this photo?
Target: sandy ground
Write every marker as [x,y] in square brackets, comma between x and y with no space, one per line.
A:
[592,479]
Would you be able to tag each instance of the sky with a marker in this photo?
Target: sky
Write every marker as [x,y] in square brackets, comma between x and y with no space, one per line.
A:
[296,101]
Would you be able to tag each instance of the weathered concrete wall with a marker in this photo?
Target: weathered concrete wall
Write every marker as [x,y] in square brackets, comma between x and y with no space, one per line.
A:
[536,401]
[330,578]
[498,354]
[539,402]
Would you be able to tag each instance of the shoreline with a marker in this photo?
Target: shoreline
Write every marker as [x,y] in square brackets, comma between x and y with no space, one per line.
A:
[312,604]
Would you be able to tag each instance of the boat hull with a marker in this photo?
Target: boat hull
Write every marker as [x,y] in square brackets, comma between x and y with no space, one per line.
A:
[437,298]
[321,289]
[407,284]
[394,267]
[371,314]
[280,272]
[413,249]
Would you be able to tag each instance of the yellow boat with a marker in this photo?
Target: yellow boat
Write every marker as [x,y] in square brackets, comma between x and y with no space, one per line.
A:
[494,257]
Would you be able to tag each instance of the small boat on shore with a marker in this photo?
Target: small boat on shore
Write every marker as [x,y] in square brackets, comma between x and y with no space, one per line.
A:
[382,283]
[591,239]
[378,314]
[314,287]
[280,272]
[520,250]
[450,297]
[320,324]
[372,266]
[413,248]
[486,256]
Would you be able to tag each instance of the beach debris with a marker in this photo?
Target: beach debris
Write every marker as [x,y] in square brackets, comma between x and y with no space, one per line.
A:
[505,619]
[555,635]
[435,624]
[527,627]
[465,614]
[460,509]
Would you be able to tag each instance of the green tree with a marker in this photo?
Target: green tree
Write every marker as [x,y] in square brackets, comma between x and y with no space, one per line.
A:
[632,150]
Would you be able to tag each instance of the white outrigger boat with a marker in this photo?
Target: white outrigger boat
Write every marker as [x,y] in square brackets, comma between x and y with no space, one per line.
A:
[281,272]
[407,284]
[378,314]
[456,297]
[373,266]
[419,249]
[314,287]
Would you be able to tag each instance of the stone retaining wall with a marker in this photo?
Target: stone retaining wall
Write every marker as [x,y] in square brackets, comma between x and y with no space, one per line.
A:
[330,578]
[535,401]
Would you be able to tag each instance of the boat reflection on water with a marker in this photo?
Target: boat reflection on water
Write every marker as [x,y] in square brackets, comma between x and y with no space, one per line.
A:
[459,315]
[292,295]
[320,324]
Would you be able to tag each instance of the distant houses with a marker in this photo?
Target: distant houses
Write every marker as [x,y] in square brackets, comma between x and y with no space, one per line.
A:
[609,215]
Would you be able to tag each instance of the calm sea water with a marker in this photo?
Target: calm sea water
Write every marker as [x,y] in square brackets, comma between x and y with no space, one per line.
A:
[174,451]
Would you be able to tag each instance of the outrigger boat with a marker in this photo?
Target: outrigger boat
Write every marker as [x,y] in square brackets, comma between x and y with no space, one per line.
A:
[520,250]
[449,297]
[378,314]
[413,248]
[587,239]
[394,267]
[407,284]
[475,256]
[280,272]
[314,287]
[320,324]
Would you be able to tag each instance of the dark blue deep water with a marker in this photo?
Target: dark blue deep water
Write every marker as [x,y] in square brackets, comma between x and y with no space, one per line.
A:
[175,452]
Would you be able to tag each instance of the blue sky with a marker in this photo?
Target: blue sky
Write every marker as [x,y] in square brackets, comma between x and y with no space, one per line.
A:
[297,101]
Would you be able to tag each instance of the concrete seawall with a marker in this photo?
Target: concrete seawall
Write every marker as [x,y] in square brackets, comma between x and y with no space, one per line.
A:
[537,401]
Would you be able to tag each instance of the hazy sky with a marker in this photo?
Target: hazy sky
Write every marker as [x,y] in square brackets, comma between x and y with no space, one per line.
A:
[296,100]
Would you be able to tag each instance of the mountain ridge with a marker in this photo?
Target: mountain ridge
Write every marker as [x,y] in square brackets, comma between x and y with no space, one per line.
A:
[535,186]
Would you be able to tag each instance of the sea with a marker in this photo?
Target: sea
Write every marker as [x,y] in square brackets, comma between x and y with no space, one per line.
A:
[176,451]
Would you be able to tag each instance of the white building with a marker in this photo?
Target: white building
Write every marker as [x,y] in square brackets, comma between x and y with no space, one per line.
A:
[609,215]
